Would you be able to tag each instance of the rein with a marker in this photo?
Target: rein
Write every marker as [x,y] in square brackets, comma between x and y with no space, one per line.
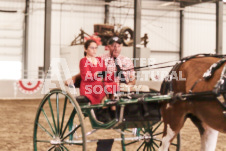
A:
[178,61]
[137,68]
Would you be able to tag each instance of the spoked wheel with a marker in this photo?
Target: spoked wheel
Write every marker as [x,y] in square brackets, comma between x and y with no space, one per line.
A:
[126,34]
[59,124]
[147,138]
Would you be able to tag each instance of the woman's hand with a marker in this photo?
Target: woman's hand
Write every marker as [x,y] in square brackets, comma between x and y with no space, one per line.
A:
[69,82]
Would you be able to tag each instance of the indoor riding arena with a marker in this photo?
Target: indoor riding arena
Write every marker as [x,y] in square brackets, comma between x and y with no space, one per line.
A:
[113,75]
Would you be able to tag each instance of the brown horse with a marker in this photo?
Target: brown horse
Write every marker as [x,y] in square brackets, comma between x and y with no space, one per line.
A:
[205,112]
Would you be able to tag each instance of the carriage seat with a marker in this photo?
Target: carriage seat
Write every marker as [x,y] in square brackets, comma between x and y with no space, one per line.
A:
[78,82]
[82,99]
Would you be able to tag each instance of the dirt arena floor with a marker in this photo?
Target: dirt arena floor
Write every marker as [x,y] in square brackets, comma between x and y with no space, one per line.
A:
[17,122]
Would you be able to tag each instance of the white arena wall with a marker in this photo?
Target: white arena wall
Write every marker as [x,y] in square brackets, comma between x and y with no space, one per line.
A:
[161,25]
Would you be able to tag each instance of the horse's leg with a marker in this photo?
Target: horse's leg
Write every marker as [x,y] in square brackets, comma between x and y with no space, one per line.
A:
[208,139]
[166,140]
[208,135]
[173,122]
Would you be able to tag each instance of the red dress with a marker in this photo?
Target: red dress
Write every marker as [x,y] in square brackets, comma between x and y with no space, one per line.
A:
[93,86]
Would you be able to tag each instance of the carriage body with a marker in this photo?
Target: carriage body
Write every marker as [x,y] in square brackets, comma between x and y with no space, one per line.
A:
[65,125]
[130,112]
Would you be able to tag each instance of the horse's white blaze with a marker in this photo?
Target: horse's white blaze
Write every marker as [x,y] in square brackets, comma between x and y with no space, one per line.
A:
[166,139]
[209,139]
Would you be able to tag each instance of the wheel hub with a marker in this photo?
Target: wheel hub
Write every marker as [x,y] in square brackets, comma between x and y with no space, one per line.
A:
[147,137]
[56,141]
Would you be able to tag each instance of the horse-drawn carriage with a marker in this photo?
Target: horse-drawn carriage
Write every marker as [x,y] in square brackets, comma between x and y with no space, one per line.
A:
[59,123]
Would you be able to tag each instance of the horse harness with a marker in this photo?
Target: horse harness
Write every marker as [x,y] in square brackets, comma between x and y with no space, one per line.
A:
[219,88]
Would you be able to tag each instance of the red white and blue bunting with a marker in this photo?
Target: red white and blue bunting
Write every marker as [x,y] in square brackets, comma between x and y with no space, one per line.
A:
[29,86]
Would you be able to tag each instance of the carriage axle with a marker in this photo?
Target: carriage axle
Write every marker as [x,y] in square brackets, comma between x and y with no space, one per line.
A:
[147,138]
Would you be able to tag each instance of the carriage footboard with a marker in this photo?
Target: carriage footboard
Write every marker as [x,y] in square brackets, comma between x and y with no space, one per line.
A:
[136,114]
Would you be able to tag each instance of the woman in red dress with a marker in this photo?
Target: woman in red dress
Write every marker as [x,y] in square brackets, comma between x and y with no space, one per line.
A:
[92,85]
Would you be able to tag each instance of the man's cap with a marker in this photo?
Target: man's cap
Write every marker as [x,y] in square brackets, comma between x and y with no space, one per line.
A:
[114,39]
